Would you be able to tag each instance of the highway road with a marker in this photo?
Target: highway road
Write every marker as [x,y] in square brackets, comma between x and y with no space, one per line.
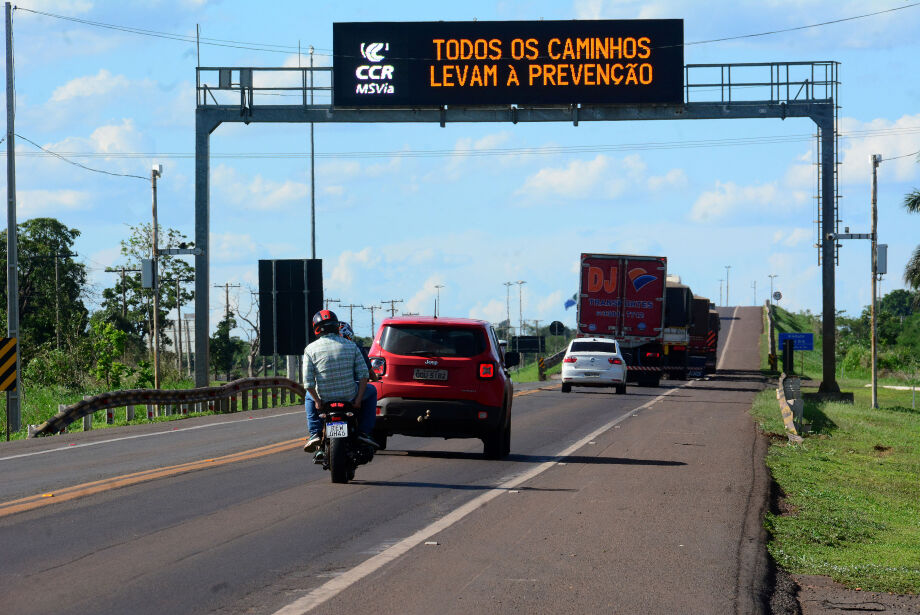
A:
[646,502]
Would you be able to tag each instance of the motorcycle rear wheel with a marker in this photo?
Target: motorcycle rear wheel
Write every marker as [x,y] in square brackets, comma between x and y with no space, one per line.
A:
[338,460]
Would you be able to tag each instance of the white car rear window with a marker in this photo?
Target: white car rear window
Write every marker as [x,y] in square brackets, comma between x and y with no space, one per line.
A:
[608,347]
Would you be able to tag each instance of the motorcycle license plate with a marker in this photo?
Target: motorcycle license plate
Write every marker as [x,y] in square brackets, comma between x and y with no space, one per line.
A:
[336,430]
[429,374]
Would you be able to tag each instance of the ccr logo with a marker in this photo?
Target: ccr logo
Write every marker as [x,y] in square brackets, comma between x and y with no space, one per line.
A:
[377,76]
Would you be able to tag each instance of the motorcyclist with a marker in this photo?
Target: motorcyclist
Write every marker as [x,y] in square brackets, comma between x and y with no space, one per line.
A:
[334,370]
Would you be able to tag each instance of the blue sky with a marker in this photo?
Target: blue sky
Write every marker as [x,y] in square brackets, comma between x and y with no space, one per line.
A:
[394,225]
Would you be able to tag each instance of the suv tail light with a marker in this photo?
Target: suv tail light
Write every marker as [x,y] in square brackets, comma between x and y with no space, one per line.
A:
[569,360]
[486,370]
[379,365]
[615,361]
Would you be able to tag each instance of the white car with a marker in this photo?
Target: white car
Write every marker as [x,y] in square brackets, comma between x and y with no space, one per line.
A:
[594,362]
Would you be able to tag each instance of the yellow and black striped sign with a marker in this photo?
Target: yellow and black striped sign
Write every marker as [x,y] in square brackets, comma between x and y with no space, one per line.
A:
[8,364]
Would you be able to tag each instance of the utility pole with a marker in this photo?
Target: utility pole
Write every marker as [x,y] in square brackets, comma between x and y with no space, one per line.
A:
[179,319]
[720,290]
[520,284]
[508,286]
[437,303]
[188,345]
[13,412]
[876,160]
[392,303]
[727,267]
[372,309]
[771,276]
[754,285]
[156,172]
[226,286]
[351,313]
[124,287]
[328,301]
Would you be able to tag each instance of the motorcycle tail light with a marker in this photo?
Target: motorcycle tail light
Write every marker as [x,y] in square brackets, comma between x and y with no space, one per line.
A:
[569,360]
[486,370]
[379,365]
[615,361]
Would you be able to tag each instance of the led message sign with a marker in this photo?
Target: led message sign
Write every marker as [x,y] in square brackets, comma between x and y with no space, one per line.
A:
[384,64]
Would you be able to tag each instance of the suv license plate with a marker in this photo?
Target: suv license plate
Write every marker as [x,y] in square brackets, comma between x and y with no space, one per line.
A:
[429,374]
[336,430]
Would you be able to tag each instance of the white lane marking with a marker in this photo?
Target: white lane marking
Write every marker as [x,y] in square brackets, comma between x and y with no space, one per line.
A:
[731,330]
[330,589]
[70,447]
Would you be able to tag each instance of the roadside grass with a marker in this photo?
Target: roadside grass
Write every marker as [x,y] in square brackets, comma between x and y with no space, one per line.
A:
[530,373]
[849,503]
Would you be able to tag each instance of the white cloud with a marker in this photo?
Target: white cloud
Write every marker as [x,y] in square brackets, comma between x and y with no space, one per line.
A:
[423,300]
[492,311]
[98,85]
[897,138]
[675,178]
[793,237]
[35,203]
[728,196]
[550,304]
[577,179]
[345,269]
[232,247]
[256,193]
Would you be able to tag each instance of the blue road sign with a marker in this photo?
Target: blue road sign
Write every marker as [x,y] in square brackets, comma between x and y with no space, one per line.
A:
[800,341]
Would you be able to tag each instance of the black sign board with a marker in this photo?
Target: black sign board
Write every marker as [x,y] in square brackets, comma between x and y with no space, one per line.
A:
[529,343]
[292,290]
[556,328]
[467,63]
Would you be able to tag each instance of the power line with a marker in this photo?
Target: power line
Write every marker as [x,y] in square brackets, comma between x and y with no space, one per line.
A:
[77,164]
[917,153]
[814,25]
[519,151]
[288,49]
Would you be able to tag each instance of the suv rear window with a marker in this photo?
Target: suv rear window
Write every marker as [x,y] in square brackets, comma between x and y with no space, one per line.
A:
[433,341]
[593,347]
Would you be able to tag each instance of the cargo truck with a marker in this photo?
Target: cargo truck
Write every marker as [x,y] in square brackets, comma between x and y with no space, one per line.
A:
[678,317]
[700,342]
[623,297]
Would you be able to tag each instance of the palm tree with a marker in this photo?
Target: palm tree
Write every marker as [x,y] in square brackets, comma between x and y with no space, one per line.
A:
[912,270]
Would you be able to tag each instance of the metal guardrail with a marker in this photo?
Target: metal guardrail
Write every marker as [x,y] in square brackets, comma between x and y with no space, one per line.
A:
[555,359]
[222,398]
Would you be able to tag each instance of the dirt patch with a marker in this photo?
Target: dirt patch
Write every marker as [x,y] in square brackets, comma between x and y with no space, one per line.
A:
[819,595]
[882,450]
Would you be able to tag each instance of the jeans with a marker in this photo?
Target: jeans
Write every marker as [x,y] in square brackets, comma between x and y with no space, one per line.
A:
[367,414]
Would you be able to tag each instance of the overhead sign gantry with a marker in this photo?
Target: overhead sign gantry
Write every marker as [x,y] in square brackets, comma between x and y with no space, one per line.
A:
[518,71]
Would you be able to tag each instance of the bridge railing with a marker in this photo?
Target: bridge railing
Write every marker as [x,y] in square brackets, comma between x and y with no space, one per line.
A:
[225,398]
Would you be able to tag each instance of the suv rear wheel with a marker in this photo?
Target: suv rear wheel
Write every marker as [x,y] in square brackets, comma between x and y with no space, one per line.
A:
[497,444]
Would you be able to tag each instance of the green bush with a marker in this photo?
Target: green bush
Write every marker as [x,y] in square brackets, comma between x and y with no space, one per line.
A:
[857,359]
[53,367]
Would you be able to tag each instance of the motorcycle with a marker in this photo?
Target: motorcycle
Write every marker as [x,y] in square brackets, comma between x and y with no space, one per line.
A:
[343,452]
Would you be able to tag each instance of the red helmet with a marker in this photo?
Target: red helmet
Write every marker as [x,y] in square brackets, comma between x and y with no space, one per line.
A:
[325,321]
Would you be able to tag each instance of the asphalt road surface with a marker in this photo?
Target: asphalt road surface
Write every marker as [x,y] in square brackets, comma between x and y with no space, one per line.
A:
[646,502]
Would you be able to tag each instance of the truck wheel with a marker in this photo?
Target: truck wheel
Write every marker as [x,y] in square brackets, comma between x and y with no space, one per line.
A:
[338,460]
[566,388]
[621,389]
[655,380]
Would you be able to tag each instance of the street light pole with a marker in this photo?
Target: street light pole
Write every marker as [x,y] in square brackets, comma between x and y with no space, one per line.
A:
[520,284]
[771,276]
[156,172]
[437,302]
[876,160]
[508,286]
[727,267]
[720,290]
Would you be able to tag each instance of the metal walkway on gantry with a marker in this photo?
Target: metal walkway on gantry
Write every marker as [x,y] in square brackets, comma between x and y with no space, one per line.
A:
[776,90]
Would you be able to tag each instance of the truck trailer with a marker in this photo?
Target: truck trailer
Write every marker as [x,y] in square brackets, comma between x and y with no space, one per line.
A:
[622,297]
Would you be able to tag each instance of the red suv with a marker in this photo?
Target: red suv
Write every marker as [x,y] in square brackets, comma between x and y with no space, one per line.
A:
[443,377]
